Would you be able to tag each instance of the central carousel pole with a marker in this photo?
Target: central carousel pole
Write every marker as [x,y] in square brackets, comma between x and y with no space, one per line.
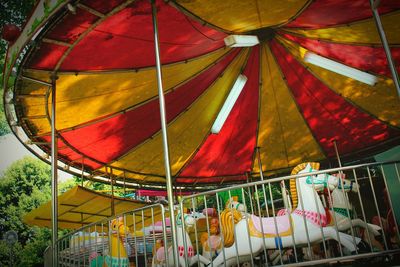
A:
[164,133]
[374,7]
[54,174]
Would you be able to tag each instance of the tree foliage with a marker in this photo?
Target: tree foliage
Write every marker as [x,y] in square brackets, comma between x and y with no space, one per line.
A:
[11,12]
[14,12]
[4,129]
[23,187]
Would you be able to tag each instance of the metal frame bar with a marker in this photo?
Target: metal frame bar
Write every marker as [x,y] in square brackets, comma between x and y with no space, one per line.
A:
[374,7]
[164,132]
[79,257]
[347,198]
[37,81]
[54,173]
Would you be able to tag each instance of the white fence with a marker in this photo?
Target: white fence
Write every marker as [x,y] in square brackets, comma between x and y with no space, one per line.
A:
[311,217]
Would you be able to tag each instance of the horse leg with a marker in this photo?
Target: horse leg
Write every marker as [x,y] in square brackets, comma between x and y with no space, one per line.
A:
[182,261]
[374,228]
[197,258]
[219,260]
[227,257]
[345,239]
[207,254]
[362,224]
[275,257]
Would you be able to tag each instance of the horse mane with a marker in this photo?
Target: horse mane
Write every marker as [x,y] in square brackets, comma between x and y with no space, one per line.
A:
[293,187]
[227,225]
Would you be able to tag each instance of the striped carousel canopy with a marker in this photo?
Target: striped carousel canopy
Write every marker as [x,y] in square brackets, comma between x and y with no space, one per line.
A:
[291,108]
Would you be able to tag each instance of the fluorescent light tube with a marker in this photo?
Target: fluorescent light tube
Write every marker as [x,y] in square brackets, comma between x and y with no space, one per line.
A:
[229,103]
[340,68]
[241,40]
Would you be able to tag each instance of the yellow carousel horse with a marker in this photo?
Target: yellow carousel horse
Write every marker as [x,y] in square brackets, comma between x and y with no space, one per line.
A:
[119,256]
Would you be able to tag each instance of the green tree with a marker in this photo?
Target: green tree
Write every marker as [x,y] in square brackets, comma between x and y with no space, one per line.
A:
[23,187]
[4,129]
[14,12]
[11,12]
[32,253]
[101,187]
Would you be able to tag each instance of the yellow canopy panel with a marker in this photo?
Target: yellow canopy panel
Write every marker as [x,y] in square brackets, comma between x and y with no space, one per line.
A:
[80,206]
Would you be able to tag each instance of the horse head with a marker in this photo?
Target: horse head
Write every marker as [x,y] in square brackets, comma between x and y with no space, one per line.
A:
[118,227]
[188,220]
[346,184]
[233,203]
[318,181]
[198,215]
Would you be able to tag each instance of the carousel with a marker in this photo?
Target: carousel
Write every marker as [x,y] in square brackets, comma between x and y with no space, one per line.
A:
[274,121]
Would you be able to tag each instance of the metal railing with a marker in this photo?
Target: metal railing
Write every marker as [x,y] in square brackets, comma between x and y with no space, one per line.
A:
[356,221]
[127,238]
[371,203]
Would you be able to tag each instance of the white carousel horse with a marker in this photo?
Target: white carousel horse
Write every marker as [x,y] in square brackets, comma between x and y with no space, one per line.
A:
[263,233]
[343,213]
[232,203]
[338,202]
[212,245]
[183,241]
[342,209]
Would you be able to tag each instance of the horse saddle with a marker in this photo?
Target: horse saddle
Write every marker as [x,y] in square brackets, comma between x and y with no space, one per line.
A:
[266,225]
[160,255]
[115,261]
[214,241]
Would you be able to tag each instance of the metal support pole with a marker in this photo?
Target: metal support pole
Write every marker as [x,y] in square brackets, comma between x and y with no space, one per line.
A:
[164,133]
[285,196]
[54,187]
[260,163]
[83,168]
[337,154]
[396,80]
[124,184]
[112,192]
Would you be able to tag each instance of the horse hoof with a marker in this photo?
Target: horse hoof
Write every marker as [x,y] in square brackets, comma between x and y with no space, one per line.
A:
[363,247]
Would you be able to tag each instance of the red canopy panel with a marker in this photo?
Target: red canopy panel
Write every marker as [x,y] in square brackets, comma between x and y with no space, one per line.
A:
[325,13]
[66,152]
[329,116]
[232,148]
[366,58]
[111,138]
[118,45]
[47,56]
[212,180]
[72,26]
[102,6]
[158,193]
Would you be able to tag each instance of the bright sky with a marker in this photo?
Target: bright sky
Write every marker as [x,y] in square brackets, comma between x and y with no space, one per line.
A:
[11,150]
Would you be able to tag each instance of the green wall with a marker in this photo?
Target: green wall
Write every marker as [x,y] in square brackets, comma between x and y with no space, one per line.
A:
[392,177]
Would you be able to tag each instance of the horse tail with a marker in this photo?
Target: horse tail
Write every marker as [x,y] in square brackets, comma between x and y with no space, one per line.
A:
[229,217]
[293,186]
